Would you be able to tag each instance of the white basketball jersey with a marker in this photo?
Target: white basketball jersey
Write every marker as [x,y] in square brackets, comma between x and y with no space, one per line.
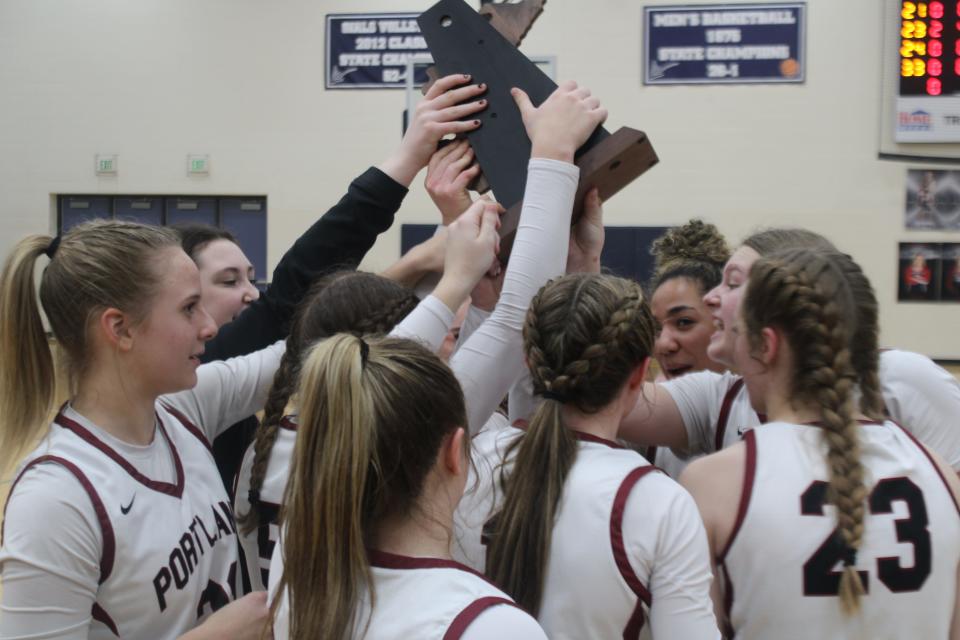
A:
[426,598]
[170,550]
[258,544]
[781,564]
[592,590]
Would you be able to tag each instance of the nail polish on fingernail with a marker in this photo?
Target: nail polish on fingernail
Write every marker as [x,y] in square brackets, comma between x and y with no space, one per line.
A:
[483,85]
[466,76]
[476,122]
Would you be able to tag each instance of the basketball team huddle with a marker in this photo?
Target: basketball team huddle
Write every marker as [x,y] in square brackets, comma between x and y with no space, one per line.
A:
[541,450]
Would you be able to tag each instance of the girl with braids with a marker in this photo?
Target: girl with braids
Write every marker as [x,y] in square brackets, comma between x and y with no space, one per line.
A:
[800,515]
[379,465]
[590,537]
[703,412]
[486,364]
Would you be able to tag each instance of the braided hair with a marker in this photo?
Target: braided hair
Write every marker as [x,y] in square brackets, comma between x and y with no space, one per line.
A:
[806,294]
[583,336]
[352,301]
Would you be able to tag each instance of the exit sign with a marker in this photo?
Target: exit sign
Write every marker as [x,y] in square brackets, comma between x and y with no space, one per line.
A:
[198,165]
[106,164]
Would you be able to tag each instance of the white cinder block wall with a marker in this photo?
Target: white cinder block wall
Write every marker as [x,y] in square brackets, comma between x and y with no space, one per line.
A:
[242,80]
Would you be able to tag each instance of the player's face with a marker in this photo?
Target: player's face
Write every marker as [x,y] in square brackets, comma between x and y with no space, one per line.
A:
[723,301]
[168,342]
[747,364]
[685,327]
[226,280]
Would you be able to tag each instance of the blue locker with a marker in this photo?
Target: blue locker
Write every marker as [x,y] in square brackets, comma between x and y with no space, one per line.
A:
[145,210]
[246,219]
[77,209]
[413,234]
[182,210]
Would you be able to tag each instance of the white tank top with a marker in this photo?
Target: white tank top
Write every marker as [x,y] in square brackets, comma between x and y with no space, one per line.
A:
[621,525]
[258,544]
[780,565]
[428,598]
[170,551]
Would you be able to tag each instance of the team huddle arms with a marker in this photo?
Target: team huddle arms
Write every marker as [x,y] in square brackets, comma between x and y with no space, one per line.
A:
[783,477]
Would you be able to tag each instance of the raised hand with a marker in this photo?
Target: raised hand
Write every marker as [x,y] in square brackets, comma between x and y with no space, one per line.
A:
[449,172]
[439,114]
[562,123]
[472,246]
[586,237]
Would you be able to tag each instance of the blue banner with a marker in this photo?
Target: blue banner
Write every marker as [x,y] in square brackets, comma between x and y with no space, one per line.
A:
[371,51]
[729,44]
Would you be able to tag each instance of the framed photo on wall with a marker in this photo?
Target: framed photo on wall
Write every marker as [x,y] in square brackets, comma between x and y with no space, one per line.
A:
[919,272]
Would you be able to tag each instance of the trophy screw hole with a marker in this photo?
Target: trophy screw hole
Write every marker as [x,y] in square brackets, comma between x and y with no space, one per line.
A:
[615,164]
[446,21]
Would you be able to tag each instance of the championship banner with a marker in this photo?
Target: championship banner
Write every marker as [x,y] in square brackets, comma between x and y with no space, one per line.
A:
[371,51]
[726,44]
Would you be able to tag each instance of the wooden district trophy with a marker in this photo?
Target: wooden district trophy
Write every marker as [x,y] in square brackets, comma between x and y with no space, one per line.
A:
[484,45]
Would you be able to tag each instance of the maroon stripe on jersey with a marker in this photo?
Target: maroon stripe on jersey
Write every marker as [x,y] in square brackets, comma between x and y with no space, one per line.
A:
[728,630]
[387,560]
[749,473]
[936,467]
[192,428]
[589,437]
[521,424]
[175,490]
[468,615]
[629,576]
[100,615]
[109,541]
[288,424]
[724,416]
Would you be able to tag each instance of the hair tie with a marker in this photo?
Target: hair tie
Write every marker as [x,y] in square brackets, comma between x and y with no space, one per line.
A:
[52,247]
[364,352]
[849,556]
[554,395]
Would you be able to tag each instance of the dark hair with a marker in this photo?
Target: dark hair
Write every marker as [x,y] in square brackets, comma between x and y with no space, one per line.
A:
[194,237]
[349,301]
[583,336]
[696,251]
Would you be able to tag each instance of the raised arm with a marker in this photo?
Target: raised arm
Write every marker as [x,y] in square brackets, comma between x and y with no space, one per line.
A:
[341,238]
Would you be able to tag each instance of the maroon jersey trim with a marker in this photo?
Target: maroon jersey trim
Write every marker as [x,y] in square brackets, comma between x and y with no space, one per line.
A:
[192,428]
[936,467]
[387,560]
[109,540]
[470,613]
[724,416]
[288,424]
[589,437]
[637,619]
[749,473]
[175,490]
[98,614]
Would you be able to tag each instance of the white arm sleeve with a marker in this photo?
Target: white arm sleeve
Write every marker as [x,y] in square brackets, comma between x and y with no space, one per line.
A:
[228,391]
[50,559]
[490,362]
[666,541]
[471,322]
[522,403]
[504,622]
[698,397]
[428,323]
[924,398]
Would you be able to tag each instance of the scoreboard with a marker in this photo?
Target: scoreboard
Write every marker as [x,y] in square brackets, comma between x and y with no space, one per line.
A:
[928,100]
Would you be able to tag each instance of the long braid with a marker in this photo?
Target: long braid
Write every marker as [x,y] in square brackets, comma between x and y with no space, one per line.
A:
[284,385]
[806,294]
[583,336]
[865,340]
